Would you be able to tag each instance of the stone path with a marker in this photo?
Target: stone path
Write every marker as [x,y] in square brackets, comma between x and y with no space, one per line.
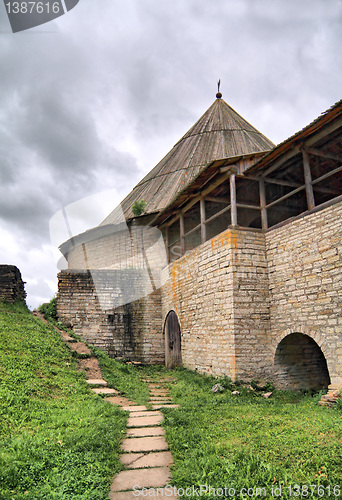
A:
[145,456]
[145,450]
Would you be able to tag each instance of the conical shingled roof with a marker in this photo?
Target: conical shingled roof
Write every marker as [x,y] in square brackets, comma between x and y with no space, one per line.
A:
[220,133]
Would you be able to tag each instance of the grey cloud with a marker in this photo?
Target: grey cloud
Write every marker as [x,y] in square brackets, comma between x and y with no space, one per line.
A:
[115,84]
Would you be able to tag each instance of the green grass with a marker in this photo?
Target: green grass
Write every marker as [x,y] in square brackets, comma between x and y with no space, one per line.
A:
[58,440]
[126,378]
[249,441]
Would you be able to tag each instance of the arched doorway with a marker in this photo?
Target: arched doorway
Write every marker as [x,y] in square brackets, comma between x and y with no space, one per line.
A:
[172,334]
[300,364]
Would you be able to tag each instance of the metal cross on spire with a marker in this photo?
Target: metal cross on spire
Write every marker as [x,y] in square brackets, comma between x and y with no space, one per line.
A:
[218,95]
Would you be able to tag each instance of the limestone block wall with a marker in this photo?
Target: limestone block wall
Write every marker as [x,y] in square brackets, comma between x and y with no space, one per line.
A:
[126,330]
[219,291]
[251,306]
[305,279]
[11,284]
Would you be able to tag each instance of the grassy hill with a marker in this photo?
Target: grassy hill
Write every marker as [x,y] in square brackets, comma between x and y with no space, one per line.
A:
[58,440]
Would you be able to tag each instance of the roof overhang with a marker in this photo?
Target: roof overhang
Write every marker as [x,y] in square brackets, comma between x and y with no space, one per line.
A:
[214,173]
[324,125]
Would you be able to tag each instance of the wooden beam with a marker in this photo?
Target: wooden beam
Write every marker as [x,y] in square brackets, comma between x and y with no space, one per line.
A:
[317,208]
[308,181]
[328,174]
[288,195]
[245,205]
[203,226]
[215,199]
[283,159]
[296,184]
[213,217]
[326,130]
[233,200]
[262,191]
[193,230]
[181,234]
[200,195]
[269,180]
[322,154]
[230,168]
[167,243]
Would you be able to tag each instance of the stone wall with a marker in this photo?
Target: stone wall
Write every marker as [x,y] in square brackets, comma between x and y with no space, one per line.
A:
[240,294]
[251,306]
[11,284]
[220,293]
[305,280]
[237,296]
[96,306]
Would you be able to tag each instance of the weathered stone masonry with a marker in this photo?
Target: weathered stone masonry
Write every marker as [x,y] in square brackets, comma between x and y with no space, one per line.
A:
[130,331]
[305,281]
[258,300]
[238,295]
[11,284]
[220,293]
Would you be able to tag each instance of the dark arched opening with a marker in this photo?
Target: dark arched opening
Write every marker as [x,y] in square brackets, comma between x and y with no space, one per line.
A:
[300,364]
[172,334]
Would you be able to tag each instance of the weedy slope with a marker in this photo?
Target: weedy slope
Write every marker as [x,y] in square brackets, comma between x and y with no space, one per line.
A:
[58,440]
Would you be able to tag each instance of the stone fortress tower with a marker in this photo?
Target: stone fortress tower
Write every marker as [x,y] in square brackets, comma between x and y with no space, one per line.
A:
[234,268]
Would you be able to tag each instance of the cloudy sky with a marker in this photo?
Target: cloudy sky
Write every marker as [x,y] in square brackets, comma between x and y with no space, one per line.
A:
[93,100]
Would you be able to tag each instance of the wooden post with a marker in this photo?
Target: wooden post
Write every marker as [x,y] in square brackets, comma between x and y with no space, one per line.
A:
[181,230]
[167,244]
[264,221]
[203,226]
[233,199]
[307,176]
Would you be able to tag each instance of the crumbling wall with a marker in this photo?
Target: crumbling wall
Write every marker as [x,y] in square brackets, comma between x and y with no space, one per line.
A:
[11,284]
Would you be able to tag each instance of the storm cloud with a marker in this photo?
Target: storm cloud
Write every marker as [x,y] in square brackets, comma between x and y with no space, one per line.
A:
[93,100]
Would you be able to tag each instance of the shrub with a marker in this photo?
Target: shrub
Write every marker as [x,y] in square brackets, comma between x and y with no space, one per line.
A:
[138,207]
[49,310]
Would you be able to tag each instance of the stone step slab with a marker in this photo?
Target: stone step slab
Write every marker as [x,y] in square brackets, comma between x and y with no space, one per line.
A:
[145,431]
[153,398]
[96,381]
[105,390]
[164,405]
[144,421]
[141,478]
[147,413]
[143,444]
[141,461]
[119,400]
[161,402]
[169,492]
[79,348]
[134,408]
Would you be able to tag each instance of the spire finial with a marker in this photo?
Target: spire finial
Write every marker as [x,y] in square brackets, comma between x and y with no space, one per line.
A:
[218,95]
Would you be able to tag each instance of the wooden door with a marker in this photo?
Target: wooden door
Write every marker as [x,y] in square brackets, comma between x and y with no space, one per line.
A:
[172,332]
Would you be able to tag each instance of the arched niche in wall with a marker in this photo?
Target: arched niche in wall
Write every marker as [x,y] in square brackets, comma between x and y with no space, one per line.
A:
[299,364]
